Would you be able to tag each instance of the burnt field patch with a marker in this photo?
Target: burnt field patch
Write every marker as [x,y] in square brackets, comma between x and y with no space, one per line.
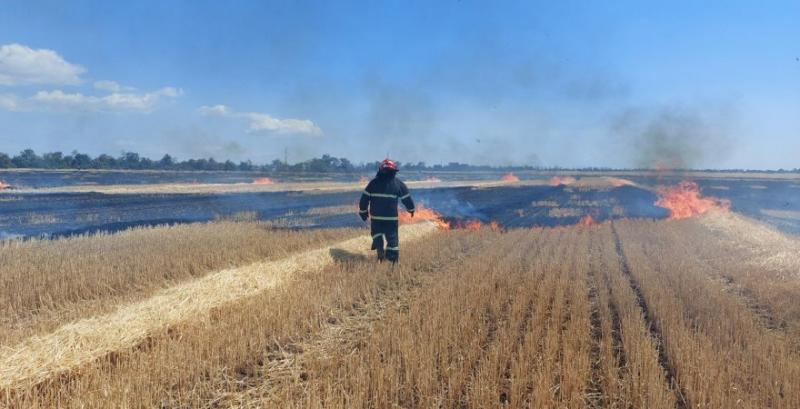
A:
[60,214]
[510,206]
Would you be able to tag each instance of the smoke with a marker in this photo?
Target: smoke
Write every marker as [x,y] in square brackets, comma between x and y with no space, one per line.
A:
[233,149]
[399,121]
[675,137]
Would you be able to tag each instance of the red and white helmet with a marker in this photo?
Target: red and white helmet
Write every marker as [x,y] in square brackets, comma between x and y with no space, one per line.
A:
[388,164]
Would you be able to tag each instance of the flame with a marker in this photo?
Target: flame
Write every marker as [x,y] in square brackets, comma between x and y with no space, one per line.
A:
[4,185]
[685,200]
[586,221]
[422,213]
[471,225]
[562,180]
[263,181]
[510,177]
[475,224]
[425,214]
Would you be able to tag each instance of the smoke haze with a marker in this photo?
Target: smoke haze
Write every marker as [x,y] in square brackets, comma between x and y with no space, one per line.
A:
[674,137]
[549,84]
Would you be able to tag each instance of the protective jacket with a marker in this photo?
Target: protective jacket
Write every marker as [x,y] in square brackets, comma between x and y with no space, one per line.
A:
[379,199]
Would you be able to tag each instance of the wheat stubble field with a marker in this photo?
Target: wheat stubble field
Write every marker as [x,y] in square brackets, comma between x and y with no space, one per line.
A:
[694,313]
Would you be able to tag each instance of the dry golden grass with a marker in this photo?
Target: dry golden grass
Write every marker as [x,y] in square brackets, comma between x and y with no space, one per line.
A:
[44,283]
[631,315]
[765,275]
[80,342]
[721,354]
[763,248]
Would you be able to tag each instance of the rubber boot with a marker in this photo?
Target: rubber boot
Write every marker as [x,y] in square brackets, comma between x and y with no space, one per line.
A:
[381,254]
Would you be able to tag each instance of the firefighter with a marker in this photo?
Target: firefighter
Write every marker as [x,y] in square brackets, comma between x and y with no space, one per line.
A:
[379,202]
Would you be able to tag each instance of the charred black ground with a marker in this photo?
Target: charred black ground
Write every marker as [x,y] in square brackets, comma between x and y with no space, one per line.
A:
[58,214]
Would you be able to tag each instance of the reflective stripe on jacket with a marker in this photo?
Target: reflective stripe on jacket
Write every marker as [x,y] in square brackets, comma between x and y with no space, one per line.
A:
[380,198]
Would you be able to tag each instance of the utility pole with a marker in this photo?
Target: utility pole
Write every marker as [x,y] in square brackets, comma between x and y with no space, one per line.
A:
[286,156]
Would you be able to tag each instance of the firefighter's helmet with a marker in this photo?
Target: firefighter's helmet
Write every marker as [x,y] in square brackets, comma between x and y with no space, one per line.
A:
[388,164]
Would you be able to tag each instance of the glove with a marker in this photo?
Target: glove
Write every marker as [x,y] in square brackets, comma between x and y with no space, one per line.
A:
[412,213]
[364,216]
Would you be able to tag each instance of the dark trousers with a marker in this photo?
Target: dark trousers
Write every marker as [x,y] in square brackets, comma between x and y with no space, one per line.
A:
[386,230]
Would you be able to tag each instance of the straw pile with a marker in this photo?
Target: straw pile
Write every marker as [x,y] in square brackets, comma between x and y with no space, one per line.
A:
[81,342]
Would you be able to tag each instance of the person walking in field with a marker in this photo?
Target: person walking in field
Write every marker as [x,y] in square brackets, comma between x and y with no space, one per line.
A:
[379,202]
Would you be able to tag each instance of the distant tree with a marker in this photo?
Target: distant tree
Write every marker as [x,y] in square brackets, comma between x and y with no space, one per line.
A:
[5,161]
[346,165]
[246,166]
[27,159]
[81,161]
[166,162]
[54,160]
[104,162]
[279,165]
[129,160]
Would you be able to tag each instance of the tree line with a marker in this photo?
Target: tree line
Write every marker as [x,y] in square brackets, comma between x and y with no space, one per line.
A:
[28,159]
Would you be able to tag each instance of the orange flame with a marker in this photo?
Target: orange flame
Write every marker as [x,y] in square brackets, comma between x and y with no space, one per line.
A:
[425,214]
[562,180]
[3,185]
[510,177]
[586,221]
[475,224]
[685,200]
[263,181]
[472,225]
[422,213]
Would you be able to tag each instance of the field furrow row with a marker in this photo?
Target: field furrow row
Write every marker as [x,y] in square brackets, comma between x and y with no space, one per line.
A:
[629,314]
[722,355]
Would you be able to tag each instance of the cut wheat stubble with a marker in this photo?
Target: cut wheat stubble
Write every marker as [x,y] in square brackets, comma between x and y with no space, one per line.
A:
[81,342]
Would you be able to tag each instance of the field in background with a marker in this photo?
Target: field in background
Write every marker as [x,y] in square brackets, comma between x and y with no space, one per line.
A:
[658,314]
[119,201]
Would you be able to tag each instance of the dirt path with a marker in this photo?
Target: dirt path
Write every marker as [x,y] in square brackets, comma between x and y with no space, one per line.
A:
[81,342]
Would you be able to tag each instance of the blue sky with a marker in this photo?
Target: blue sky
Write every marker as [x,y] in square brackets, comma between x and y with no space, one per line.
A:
[701,84]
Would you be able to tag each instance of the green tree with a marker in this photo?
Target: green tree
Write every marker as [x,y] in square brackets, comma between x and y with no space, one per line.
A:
[81,161]
[166,162]
[104,162]
[54,160]
[27,159]
[5,161]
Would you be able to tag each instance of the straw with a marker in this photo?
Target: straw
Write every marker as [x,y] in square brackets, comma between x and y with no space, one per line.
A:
[38,358]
